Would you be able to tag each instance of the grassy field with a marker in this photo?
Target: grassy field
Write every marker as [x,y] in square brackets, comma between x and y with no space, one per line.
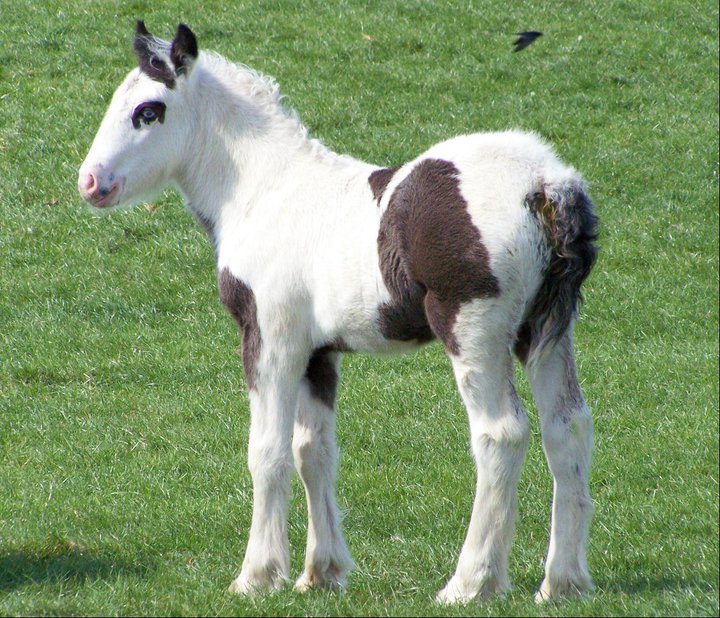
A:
[123,416]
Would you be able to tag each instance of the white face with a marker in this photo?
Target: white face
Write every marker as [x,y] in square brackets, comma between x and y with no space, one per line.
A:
[136,150]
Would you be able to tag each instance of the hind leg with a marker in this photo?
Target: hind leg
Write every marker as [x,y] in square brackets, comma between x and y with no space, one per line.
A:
[327,558]
[499,434]
[567,437]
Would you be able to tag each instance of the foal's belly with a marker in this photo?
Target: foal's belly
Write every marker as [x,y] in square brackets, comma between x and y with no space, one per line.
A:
[388,328]
[380,345]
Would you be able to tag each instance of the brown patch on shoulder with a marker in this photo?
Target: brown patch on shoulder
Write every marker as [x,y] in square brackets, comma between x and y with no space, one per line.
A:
[239,300]
[432,257]
[379,180]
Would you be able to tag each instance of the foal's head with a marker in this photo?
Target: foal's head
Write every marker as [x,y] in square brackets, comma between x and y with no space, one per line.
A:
[146,128]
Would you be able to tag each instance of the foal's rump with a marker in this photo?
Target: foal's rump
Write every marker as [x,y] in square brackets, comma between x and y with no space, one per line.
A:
[488,216]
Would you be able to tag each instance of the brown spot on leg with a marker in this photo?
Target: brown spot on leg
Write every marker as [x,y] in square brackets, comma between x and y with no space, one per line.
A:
[239,300]
[432,257]
[322,375]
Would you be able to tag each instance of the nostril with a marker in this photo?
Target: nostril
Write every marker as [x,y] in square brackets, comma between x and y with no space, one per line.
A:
[91,183]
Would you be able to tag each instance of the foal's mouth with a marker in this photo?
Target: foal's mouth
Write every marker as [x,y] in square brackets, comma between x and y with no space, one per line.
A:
[103,201]
[105,198]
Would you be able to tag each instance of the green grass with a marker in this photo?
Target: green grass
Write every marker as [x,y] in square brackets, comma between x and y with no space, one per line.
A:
[123,416]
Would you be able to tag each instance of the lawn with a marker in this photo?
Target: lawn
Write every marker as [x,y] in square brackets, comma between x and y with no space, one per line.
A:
[123,415]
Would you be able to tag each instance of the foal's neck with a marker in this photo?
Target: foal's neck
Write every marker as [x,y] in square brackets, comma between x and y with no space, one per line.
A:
[244,149]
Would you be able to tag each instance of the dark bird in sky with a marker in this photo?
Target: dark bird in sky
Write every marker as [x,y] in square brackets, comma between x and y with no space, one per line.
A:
[525,38]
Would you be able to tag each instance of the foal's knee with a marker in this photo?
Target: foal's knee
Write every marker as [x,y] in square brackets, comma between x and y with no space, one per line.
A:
[312,451]
[511,425]
[506,436]
[305,445]
[268,461]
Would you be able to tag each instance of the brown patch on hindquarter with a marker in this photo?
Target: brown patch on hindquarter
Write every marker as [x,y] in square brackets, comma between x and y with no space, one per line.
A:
[380,179]
[239,300]
[432,257]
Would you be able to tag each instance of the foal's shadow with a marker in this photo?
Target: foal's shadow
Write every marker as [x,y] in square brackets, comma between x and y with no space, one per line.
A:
[67,562]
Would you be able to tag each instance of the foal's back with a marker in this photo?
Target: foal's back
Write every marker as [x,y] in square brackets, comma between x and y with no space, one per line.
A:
[453,226]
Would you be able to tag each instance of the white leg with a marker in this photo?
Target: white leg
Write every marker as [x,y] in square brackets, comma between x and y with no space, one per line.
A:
[567,436]
[267,558]
[499,431]
[327,558]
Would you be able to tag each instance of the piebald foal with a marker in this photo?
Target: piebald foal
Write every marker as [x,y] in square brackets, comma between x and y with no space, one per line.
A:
[482,242]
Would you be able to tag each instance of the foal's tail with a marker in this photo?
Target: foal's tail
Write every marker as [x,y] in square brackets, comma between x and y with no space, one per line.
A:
[566,216]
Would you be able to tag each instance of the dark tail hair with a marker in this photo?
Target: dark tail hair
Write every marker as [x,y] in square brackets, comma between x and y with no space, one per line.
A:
[566,216]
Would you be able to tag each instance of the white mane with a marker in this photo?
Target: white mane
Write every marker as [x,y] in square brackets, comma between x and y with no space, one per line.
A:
[252,86]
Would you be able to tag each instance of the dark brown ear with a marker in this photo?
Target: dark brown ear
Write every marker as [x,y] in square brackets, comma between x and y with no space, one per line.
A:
[184,50]
[141,30]
[146,48]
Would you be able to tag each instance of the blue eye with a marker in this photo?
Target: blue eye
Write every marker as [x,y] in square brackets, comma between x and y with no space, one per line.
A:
[148,112]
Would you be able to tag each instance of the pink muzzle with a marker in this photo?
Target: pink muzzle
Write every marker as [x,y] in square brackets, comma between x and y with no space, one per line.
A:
[98,187]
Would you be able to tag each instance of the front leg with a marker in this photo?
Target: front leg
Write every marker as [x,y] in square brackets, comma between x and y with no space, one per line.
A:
[327,558]
[267,558]
[273,373]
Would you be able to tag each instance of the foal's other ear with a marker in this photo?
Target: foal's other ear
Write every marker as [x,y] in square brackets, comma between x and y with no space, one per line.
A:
[184,50]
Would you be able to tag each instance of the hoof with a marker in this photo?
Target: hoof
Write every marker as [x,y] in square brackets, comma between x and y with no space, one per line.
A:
[452,596]
[249,586]
[331,577]
[563,589]
[457,592]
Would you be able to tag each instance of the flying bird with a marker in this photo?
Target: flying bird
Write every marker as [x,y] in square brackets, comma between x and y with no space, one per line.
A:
[525,38]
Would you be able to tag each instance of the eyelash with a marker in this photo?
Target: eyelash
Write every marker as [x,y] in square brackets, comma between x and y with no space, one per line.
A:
[156,111]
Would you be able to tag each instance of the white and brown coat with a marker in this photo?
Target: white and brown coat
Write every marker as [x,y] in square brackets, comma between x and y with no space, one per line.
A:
[482,243]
